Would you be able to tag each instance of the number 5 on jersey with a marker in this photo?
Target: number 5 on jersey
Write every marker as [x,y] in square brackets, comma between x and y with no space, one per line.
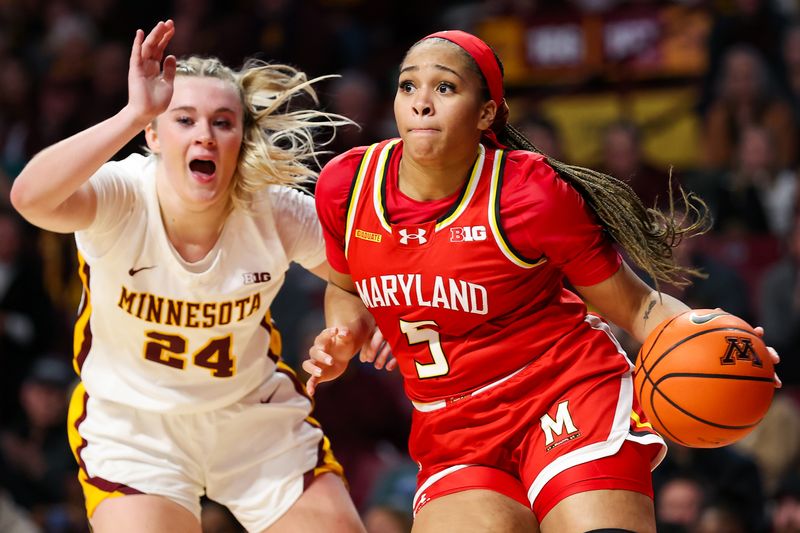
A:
[417,333]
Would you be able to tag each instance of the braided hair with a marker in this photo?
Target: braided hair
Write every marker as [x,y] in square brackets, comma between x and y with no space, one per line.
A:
[647,234]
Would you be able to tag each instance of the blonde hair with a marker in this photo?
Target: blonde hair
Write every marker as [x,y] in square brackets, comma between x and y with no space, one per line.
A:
[279,138]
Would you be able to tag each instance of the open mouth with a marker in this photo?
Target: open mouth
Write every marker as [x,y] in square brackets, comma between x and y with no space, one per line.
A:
[202,166]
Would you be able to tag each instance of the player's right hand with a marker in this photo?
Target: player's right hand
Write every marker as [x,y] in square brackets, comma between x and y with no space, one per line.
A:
[150,74]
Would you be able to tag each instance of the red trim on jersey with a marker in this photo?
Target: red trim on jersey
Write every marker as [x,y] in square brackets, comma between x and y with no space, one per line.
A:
[540,213]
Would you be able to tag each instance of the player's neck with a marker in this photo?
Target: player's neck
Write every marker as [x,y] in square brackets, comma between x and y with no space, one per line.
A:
[194,233]
[432,182]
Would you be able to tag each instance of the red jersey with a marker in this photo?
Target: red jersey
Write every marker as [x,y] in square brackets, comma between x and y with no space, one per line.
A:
[474,291]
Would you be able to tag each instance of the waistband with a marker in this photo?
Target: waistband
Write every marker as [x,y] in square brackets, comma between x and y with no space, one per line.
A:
[427,407]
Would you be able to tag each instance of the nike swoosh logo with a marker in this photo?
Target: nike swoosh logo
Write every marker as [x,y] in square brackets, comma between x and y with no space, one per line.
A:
[134,271]
[703,319]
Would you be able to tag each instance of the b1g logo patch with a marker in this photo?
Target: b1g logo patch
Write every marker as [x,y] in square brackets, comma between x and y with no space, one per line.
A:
[250,278]
[468,234]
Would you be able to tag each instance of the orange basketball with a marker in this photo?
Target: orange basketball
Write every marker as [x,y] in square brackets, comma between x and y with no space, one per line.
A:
[704,378]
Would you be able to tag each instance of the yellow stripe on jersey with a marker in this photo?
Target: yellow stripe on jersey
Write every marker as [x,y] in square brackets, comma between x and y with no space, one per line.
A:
[93,495]
[355,195]
[377,194]
[472,184]
[329,462]
[81,340]
[275,339]
[494,218]
[638,421]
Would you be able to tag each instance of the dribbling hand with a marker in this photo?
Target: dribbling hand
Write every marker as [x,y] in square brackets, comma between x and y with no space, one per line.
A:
[774,354]
[150,74]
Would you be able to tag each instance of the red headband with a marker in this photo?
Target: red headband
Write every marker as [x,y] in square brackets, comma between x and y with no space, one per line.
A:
[489,67]
[483,56]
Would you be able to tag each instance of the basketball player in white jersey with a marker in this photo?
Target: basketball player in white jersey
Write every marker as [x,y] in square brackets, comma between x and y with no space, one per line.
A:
[181,253]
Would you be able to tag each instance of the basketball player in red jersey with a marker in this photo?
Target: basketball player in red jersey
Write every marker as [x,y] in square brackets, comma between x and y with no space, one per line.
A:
[455,240]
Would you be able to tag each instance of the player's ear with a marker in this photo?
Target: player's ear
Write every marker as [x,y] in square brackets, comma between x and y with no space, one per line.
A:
[151,136]
[488,112]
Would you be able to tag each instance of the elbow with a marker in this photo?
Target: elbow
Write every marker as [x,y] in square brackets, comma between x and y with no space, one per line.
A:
[25,200]
[19,198]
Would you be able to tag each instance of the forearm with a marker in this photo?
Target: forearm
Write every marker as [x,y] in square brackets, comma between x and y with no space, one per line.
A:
[630,303]
[57,172]
[654,309]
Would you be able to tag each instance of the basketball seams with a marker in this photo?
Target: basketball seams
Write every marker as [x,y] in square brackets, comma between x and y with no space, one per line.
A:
[732,377]
[643,356]
[695,335]
[695,417]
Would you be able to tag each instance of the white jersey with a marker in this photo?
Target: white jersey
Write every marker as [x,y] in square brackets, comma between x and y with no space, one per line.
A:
[160,334]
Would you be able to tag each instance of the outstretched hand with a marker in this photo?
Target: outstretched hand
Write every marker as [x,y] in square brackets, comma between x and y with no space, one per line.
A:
[150,74]
[333,349]
[328,357]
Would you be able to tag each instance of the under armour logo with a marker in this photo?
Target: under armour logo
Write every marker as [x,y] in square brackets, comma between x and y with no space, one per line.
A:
[419,235]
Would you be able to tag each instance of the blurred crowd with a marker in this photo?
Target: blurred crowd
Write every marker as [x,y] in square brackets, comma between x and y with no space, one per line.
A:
[63,67]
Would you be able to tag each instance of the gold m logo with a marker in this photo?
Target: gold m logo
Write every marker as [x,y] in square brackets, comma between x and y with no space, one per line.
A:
[740,349]
[563,421]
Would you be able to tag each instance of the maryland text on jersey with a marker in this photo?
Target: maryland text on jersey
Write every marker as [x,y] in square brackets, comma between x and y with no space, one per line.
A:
[414,291]
[162,310]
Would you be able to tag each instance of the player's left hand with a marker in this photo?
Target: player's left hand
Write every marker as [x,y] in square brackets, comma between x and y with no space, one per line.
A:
[378,352]
[328,357]
[775,357]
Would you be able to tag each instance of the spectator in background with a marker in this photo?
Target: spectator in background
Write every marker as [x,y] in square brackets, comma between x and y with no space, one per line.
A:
[16,113]
[678,503]
[723,287]
[356,95]
[775,443]
[756,195]
[722,517]
[786,505]
[746,95]
[14,519]
[623,158]
[108,89]
[729,478]
[779,306]
[391,500]
[544,135]
[34,450]
[754,23]
[25,312]
[791,58]
[371,445]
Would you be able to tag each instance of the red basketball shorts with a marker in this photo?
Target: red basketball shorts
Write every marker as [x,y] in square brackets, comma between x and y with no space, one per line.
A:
[566,423]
